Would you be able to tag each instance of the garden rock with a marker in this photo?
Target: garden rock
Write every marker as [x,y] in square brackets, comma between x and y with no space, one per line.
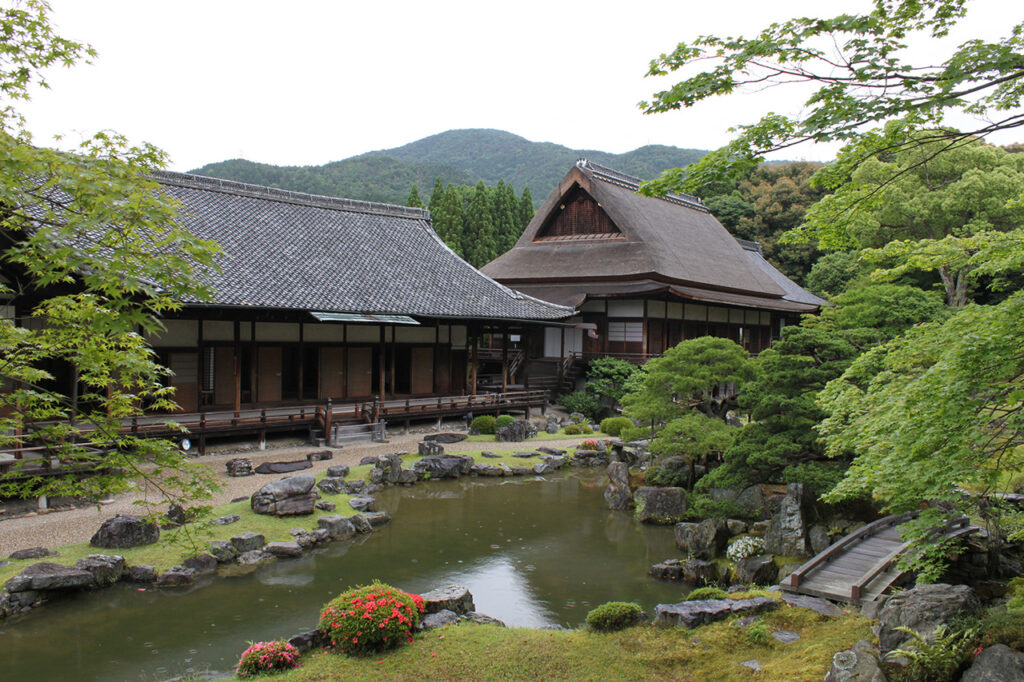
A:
[370,459]
[431,448]
[757,570]
[338,470]
[660,505]
[446,437]
[506,470]
[787,531]
[443,466]
[303,537]
[998,663]
[223,551]
[489,454]
[239,466]
[752,664]
[548,463]
[247,542]
[332,485]
[923,609]
[291,496]
[551,427]
[859,664]
[254,557]
[319,456]
[544,450]
[141,573]
[178,576]
[736,526]
[699,572]
[486,470]
[125,530]
[201,564]
[46,576]
[785,636]
[337,527]
[617,494]
[825,608]
[390,467]
[482,619]
[106,569]
[705,540]
[362,503]
[818,538]
[524,454]
[307,641]
[377,519]
[455,598]
[521,471]
[283,549]
[670,569]
[226,520]
[283,467]
[590,458]
[751,500]
[691,614]
[439,619]
[32,553]
[516,432]
[360,523]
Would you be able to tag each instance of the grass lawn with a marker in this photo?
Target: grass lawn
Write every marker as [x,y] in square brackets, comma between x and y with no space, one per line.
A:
[713,652]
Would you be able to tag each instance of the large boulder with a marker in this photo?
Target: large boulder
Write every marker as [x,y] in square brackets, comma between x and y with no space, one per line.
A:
[998,663]
[443,466]
[923,609]
[337,527]
[859,664]
[787,530]
[699,572]
[125,530]
[430,448]
[455,598]
[46,576]
[332,485]
[106,569]
[338,470]
[31,553]
[291,496]
[660,505]
[239,466]
[548,463]
[691,614]
[247,542]
[446,437]
[390,467]
[618,495]
[516,432]
[705,540]
[756,570]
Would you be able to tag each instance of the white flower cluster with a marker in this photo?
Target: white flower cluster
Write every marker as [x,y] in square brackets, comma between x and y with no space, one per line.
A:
[745,547]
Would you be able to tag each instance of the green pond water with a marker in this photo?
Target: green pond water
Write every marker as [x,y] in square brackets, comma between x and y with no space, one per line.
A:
[533,553]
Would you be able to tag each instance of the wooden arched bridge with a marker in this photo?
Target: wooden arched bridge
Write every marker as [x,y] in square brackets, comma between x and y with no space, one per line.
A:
[861,566]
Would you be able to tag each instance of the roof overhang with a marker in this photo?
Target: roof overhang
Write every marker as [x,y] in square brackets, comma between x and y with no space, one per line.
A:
[364,318]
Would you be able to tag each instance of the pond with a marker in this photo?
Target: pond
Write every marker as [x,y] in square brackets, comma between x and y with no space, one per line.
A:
[533,553]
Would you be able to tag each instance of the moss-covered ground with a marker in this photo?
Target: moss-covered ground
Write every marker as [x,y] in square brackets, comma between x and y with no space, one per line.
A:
[542,436]
[713,652]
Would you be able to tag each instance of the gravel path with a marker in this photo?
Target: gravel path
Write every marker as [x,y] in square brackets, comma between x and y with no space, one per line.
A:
[77,525]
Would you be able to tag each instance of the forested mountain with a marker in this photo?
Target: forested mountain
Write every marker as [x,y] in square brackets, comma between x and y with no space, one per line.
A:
[458,157]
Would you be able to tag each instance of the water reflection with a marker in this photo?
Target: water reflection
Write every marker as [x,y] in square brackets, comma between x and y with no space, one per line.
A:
[532,552]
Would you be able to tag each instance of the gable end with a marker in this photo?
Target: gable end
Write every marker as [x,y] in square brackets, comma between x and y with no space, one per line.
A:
[578,216]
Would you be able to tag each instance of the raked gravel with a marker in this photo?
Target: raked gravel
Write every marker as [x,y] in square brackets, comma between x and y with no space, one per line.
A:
[78,525]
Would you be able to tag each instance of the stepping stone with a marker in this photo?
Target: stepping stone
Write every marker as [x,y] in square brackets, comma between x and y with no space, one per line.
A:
[785,636]
[822,606]
[753,664]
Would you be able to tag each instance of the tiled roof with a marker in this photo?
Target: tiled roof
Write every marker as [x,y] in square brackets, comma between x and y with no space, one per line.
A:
[794,292]
[297,251]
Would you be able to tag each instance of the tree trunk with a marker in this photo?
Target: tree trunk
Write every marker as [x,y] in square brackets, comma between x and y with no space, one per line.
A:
[955,285]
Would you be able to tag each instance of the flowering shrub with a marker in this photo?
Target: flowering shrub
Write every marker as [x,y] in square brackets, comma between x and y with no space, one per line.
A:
[590,445]
[745,547]
[370,618]
[262,657]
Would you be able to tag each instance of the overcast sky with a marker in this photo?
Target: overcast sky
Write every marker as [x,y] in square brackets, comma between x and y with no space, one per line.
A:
[308,82]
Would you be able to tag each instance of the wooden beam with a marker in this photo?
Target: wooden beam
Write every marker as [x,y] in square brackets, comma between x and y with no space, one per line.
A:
[504,359]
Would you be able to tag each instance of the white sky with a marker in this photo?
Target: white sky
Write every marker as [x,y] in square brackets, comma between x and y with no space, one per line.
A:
[313,81]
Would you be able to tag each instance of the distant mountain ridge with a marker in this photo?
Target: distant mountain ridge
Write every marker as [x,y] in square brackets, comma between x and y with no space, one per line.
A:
[461,157]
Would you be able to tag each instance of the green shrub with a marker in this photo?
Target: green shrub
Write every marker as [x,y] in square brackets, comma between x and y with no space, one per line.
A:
[370,618]
[629,433]
[265,657]
[503,420]
[943,658]
[669,472]
[585,403]
[1003,627]
[613,425]
[759,634]
[585,429]
[485,423]
[572,430]
[707,593]
[700,507]
[615,615]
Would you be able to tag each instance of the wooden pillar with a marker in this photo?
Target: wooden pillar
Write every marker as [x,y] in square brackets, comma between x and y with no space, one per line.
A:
[644,348]
[381,369]
[391,364]
[238,370]
[504,360]
[475,341]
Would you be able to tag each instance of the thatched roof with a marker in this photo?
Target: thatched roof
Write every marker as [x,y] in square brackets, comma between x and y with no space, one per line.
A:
[645,245]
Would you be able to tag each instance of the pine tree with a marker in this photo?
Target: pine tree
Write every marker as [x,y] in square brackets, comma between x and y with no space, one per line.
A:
[414,200]
[478,233]
[525,209]
[446,212]
[436,194]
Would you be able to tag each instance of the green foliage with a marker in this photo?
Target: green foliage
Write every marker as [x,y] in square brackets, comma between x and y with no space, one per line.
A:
[615,615]
[267,657]
[484,424]
[857,66]
[503,420]
[370,618]
[758,634]
[665,474]
[707,593]
[833,272]
[585,403]
[688,377]
[944,656]
[608,377]
[1015,594]
[694,437]
[699,507]
[414,200]
[1002,627]
[93,254]
[613,426]
[631,433]
[572,430]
